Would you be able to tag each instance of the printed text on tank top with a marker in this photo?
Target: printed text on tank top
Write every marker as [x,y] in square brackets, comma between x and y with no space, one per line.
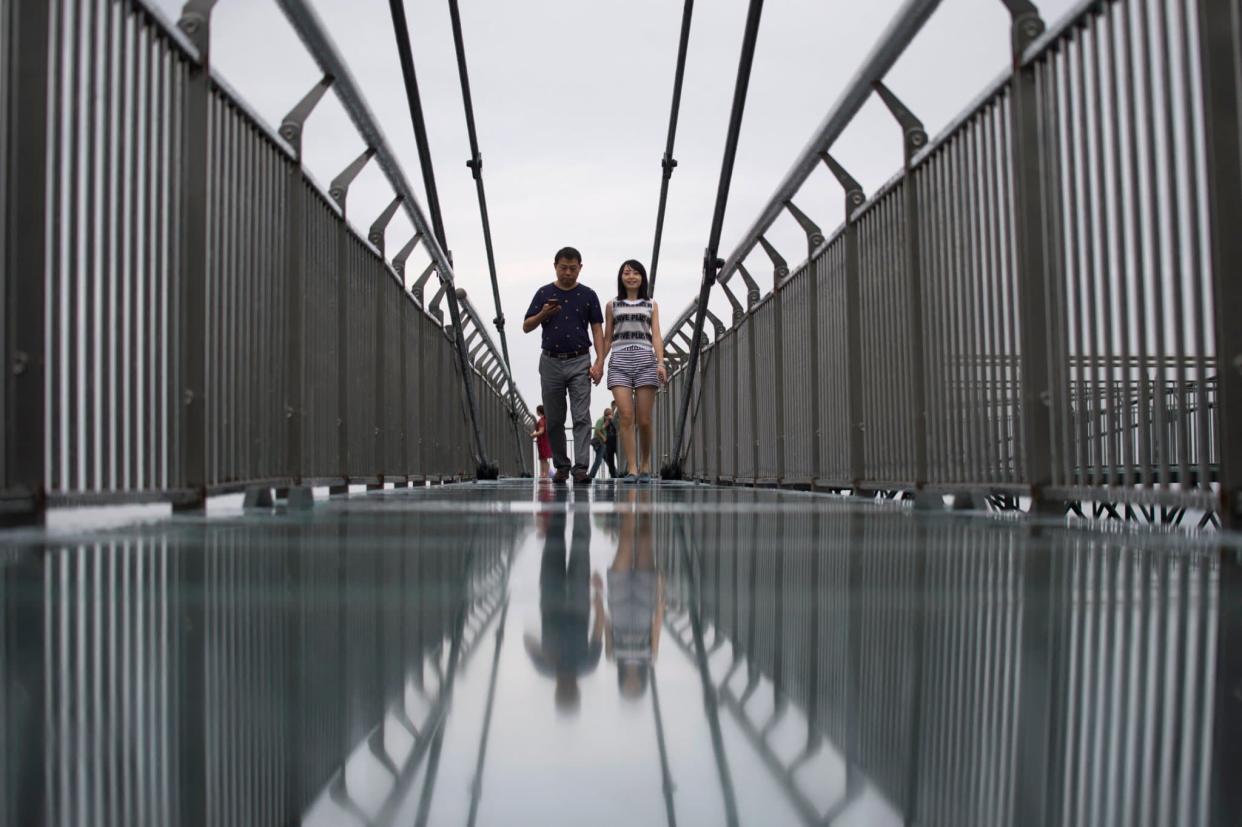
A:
[631,323]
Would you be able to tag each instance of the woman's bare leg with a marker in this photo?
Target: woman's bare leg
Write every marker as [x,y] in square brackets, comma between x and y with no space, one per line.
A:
[646,403]
[625,425]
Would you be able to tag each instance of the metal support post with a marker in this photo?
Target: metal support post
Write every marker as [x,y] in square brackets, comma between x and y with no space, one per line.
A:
[291,129]
[854,198]
[191,287]
[1220,30]
[339,192]
[23,475]
[914,138]
[1029,241]
[780,272]
[376,236]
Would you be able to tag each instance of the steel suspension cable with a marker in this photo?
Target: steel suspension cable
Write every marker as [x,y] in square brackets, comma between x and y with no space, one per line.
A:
[485,469]
[711,260]
[668,163]
[476,169]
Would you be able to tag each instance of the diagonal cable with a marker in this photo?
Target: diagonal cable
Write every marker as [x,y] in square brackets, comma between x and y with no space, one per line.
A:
[711,262]
[668,163]
[402,33]
[476,168]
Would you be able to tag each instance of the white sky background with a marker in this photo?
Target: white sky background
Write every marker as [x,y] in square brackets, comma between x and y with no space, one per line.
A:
[571,101]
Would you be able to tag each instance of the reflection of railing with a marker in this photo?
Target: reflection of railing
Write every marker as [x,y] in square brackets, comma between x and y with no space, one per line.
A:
[224,674]
[936,340]
[964,673]
[194,313]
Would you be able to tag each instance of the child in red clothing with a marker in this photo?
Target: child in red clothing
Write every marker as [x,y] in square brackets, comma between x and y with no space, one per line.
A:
[542,443]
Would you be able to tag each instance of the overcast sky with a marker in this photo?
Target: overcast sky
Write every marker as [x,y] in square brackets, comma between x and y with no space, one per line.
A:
[571,101]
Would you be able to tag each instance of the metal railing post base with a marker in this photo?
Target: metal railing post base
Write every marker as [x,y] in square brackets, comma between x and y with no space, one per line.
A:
[968,501]
[334,490]
[23,512]
[192,502]
[299,497]
[258,496]
[1047,507]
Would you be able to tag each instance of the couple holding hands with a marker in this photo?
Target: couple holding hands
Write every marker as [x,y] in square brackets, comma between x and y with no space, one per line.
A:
[628,328]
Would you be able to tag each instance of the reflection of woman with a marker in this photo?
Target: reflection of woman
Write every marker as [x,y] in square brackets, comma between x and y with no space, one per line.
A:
[635,600]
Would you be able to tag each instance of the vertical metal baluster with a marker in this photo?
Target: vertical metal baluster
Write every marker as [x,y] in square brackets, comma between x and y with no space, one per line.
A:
[955,307]
[978,274]
[1201,286]
[110,315]
[1153,281]
[1112,269]
[939,464]
[1173,198]
[62,87]
[1077,348]
[1051,73]
[127,417]
[1122,146]
[1094,276]
[994,299]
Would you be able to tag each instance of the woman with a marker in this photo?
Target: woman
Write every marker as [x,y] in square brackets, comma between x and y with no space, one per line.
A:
[540,435]
[636,369]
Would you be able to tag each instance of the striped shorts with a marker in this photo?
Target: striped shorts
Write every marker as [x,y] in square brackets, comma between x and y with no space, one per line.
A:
[633,367]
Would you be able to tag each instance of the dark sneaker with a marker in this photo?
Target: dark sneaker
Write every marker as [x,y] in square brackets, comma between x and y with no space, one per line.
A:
[581,477]
[562,475]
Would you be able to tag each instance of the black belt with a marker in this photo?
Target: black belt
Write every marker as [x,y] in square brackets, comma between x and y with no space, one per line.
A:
[572,355]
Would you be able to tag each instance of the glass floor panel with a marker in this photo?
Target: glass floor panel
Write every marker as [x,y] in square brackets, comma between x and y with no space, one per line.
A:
[518,653]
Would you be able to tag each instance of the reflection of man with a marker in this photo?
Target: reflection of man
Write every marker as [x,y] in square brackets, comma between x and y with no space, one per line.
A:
[566,650]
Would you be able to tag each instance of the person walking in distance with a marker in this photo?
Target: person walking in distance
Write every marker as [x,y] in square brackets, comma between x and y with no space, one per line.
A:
[599,442]
[542,443]
[566,311]
[610,440]
[636,369]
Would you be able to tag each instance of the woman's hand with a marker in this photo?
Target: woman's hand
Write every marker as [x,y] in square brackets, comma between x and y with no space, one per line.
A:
[662,373]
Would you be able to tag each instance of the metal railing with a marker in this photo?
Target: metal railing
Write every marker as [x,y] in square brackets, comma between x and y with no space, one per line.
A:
[1039,303]
[962,672]
[186,311]
[226,672]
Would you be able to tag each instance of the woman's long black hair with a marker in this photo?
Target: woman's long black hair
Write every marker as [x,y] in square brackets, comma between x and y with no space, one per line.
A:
[642,288]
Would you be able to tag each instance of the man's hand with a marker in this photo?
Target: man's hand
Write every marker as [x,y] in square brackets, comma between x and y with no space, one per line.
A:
[597,372]
[549,309]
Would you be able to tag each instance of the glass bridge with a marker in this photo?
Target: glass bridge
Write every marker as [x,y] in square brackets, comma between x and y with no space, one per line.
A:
[522,653]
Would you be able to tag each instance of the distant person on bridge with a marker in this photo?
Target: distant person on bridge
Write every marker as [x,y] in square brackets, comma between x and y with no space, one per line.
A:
[542,443]
[566,310]
[636,369]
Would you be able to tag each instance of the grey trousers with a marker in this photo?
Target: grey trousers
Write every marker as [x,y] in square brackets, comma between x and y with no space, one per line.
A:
[556,378]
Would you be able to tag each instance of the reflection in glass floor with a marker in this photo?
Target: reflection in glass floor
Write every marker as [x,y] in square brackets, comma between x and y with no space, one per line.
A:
[513,653]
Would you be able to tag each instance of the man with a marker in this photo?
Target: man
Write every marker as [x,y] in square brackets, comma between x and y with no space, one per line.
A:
[565,310]
[599,441]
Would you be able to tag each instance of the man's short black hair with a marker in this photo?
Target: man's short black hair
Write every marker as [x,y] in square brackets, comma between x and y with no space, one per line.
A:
[568,253]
